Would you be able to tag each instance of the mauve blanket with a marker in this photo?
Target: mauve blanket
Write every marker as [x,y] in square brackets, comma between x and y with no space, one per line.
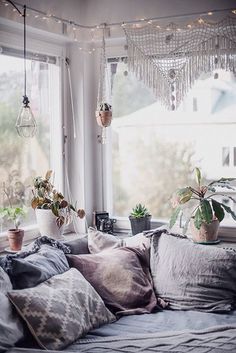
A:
[219,339]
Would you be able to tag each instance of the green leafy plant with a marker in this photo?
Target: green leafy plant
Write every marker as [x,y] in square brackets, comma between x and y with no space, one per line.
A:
[203,200]
[139,211]
[45,196]
[13,214]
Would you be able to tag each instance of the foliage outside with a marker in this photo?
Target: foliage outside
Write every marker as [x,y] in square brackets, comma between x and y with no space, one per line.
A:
[203,202]
[45,196]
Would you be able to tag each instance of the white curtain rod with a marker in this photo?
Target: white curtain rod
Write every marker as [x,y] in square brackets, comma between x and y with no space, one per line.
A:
[108,25]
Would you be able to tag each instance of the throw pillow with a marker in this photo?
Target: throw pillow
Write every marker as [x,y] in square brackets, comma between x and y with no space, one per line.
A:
[61,310]
[191,276]
[11,327]
[29,269]
[98,241]
[78,246]
[121,277]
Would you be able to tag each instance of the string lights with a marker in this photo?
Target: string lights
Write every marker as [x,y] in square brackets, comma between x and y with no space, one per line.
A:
[75,29]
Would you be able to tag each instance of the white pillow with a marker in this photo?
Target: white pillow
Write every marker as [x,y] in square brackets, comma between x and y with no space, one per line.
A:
[99,241]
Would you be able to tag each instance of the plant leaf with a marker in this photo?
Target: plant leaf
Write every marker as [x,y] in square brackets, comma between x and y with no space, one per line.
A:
[206,211]
[228,209]
[55,208]
[198,175]
[218,210]
[198,218]
[174,216]
[48,175]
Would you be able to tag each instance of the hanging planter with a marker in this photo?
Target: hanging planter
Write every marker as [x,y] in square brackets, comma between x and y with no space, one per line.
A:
[104,115]
[104,109]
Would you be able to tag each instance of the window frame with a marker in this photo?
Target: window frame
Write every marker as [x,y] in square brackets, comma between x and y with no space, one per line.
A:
[122,225]
[55,52]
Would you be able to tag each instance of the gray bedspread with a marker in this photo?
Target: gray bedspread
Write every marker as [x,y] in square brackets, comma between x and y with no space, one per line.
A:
[164,331]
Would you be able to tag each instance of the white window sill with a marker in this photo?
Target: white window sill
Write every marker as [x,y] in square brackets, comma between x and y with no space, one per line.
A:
[122,225]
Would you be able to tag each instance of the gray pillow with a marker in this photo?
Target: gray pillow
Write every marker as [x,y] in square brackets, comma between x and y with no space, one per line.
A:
[11,327]
[61,310]
[191,276]
[29,271]
[78,246]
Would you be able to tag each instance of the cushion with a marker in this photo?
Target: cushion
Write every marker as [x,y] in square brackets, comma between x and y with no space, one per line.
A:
[11,327]
[121,277]
[191,276]
[61,310]
[29,271]
[98,241]
[78,246]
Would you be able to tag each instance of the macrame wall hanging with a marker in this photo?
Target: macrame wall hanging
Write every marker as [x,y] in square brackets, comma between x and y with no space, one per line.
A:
[169,61]
[104,109]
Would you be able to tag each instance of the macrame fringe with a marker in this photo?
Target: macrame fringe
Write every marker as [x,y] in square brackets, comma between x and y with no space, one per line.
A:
[170,62]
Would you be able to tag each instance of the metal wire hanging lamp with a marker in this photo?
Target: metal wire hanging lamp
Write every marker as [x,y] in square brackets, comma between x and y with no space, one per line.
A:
[25,124]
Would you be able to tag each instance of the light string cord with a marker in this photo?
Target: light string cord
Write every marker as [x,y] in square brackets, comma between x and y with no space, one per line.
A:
[114,24]
[24,16]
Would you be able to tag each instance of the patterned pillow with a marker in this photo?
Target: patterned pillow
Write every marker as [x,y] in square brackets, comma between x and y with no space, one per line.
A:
[121,277]
[99,241]
[191,276]
[60,310]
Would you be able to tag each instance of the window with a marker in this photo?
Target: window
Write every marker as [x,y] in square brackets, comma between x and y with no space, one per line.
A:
[154,151]
[21,159]
[225,156]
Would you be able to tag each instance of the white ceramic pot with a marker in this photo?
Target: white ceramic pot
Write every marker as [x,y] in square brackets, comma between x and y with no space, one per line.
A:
[47,224]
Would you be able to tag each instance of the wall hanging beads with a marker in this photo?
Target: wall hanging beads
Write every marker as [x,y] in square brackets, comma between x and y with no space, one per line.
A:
[104,108]
[169,62]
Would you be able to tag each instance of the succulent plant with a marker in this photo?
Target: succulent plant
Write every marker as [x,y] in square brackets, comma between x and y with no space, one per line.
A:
[139,211]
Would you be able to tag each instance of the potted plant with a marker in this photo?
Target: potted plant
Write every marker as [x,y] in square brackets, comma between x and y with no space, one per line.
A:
[140,219]
[15,235]
[205,210]
[52,210]
[104,114]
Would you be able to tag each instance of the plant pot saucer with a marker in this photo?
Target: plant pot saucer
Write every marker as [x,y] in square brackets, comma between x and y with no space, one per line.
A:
[209,242]
[8,249]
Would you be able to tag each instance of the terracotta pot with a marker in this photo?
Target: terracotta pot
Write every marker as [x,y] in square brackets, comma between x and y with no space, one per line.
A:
[47,224]
[206,233]
[104,117]
[15,238]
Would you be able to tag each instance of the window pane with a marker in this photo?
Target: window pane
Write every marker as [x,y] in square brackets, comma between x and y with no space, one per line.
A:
[154,151]
[21,159]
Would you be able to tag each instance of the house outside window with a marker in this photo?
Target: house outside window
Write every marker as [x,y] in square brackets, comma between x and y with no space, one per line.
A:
[21,159]
[154,151]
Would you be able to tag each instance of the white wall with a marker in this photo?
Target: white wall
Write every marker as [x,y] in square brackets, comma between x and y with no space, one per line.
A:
[85,71]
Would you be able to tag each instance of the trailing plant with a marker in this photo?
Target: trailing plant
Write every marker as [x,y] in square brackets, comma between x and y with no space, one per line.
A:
[105,107]
[139,211]
[203,200]
[45,196]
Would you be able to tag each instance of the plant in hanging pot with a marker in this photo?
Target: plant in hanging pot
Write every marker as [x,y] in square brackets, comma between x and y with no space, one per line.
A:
[53,212]
[207,207]
[140,219]
[104,114]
